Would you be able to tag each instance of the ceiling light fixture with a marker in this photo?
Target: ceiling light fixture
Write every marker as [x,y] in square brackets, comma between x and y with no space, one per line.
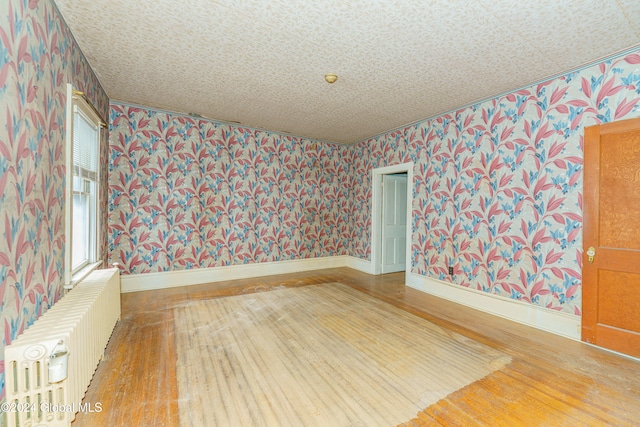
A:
[330,78]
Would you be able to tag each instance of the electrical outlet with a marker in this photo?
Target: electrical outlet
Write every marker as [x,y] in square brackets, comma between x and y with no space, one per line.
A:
[450,271]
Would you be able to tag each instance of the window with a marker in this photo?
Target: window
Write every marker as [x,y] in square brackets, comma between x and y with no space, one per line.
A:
[83,184]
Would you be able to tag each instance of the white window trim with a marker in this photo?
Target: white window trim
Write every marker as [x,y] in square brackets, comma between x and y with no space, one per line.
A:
[81,274]
[71,278]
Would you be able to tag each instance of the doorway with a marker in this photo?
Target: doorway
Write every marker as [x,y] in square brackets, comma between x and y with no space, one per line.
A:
[611,253]
[392,199]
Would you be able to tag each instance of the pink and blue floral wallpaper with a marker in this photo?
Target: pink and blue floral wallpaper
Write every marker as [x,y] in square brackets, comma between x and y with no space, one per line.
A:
[497,189]
[186,192]
[38,57]
[498,185]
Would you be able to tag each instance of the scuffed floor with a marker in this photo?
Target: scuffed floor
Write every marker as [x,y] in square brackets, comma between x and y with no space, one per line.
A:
[323,355]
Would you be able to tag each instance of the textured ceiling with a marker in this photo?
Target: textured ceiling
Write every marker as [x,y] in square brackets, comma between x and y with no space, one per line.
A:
[262,62]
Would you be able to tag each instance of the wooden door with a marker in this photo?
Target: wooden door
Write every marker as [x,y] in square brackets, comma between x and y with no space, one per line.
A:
[394,223]
[611,283]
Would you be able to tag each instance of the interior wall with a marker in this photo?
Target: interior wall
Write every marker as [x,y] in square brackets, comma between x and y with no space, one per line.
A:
[38,57]
[190,193]
[498,185]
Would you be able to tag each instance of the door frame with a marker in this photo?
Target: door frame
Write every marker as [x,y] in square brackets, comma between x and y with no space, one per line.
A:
[376,213]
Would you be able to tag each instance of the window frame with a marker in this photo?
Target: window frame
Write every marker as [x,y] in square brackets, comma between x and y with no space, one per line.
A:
[76,101]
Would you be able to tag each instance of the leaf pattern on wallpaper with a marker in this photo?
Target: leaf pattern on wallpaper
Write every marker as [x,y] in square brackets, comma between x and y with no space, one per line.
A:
[188,193]
[498,185]
[37,58]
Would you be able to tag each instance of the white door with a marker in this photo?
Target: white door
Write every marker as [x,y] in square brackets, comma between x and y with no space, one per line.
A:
[394,223]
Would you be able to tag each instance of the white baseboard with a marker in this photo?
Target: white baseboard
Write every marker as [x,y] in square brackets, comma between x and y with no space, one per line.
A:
[359,264]
[552,321]
[563,324]
[171,279]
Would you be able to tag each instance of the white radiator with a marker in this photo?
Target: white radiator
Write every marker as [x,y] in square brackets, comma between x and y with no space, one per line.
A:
[81,322]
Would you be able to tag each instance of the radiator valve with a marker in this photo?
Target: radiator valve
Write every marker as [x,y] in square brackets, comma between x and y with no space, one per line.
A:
[58,363]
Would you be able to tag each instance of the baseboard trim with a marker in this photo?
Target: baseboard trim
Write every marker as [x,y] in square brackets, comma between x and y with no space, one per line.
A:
[171,279]
[359,264]
[552,321]
[541,318]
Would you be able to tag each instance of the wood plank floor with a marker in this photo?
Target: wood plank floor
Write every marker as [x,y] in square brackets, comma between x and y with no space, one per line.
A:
[552,381]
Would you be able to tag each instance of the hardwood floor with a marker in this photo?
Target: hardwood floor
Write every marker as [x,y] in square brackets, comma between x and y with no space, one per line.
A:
[552,381]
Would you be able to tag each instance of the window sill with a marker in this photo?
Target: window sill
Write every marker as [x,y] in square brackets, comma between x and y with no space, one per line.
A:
[78,276]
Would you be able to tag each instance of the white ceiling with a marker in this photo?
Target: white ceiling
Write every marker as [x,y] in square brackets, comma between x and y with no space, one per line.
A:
[262,62]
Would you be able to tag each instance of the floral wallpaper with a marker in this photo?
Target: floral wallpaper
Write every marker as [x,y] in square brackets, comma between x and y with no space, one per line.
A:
[498,185]
[186,192]
[497,189]
[38,57]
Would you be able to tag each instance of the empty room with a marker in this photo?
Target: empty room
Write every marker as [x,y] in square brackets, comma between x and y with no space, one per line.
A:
[331,213]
